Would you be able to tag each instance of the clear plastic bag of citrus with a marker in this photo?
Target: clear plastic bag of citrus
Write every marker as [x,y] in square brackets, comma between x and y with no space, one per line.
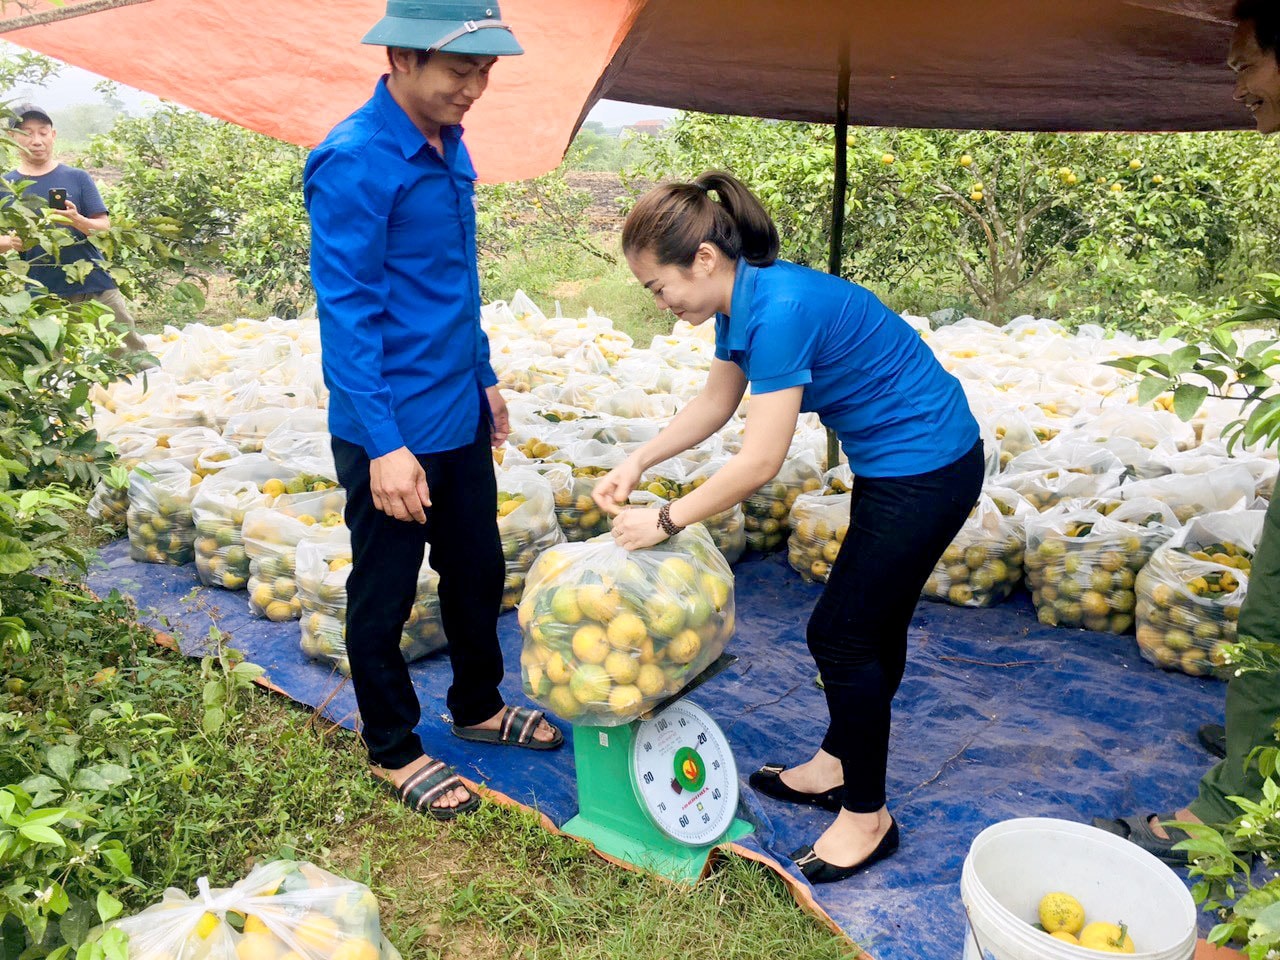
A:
[577,513]
[218,509]
[527,525]
[322,569]
[282,909]
[768,508]
[728,528]
[271,538]
[982,566]
[110,503]
[1189,594]
[819,523]
[159,518]
[1046,480]
[839,479]
[609,633]
[1083,557]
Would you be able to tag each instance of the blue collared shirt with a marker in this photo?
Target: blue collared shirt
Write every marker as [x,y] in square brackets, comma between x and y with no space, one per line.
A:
[393,263]
[865,372]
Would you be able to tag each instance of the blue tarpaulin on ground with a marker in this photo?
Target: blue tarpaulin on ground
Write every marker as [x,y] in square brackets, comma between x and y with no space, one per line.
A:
[997,718]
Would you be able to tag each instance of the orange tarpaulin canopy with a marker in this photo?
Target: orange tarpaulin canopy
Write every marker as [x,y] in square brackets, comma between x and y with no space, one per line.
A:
[293,69]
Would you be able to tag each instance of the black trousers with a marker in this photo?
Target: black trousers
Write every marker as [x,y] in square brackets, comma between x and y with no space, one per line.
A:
[898,528]
[466,552]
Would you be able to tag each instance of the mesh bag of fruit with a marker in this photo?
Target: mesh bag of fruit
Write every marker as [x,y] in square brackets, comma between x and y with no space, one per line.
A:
[1083,558]
[159,517]
[281,909]
[1189,594]
[527,525]
[1046,479]
[218,510]
[982,566]
[322,570]
[110,502]
[767,509]
[819,523]
[1227,487]
[271,538]
[609,633]
[577,513]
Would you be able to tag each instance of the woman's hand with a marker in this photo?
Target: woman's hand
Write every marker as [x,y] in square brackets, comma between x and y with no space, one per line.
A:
[614,489]
[636,528]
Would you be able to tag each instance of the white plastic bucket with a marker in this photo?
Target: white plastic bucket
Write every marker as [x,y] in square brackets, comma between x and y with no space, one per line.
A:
[1011,865]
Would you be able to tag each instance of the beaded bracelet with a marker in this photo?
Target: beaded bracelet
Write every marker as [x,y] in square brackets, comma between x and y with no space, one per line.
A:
[668,525]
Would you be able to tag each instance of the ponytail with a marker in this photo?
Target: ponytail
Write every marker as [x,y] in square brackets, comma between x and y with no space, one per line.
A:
[673,220]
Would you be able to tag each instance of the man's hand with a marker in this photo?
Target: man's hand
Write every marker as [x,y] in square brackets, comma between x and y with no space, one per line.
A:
[10,242]
[399,485]
[85,225]
[501,420]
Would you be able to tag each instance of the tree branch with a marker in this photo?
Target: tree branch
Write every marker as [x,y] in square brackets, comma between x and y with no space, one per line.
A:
[67,12]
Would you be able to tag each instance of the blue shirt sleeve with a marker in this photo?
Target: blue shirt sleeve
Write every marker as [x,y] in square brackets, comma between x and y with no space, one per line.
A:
[90,203]
[348,270]
[484,369]
[782,341]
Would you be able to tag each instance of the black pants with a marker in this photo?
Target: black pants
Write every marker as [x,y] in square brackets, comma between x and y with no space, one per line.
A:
[466,552]
[898,528]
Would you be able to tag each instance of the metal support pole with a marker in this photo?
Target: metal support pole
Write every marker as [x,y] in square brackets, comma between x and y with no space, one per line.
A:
[839,196]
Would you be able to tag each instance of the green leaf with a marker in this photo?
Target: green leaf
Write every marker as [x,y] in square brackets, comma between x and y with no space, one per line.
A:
[119,861]
[213,719]
[108,906]
[102,777]
[115,944]
[47,330]
[37,834]
[62,761]
[1187,398]
[1150,388]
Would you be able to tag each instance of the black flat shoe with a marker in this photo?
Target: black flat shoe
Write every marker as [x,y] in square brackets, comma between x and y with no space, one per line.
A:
[1213,737]
[817,870]
[768,780]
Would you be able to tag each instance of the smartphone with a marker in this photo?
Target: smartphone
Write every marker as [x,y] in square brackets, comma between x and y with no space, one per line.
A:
[58,198]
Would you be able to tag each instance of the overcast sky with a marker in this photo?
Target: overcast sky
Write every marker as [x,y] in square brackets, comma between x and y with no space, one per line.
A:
[73,85]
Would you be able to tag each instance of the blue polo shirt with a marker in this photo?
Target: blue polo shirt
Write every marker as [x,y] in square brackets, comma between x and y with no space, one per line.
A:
[865,372]
[393,263]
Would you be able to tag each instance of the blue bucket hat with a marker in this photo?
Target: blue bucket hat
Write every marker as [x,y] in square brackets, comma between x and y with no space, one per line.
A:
[452,26]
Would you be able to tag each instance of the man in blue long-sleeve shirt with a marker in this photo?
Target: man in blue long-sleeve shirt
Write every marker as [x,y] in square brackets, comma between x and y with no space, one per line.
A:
[413,401]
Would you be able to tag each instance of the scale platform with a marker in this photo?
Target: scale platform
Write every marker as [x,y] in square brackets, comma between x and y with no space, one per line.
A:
[661,792]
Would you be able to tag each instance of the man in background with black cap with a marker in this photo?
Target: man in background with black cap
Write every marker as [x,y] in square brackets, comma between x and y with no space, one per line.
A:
[73,192]
[414,404]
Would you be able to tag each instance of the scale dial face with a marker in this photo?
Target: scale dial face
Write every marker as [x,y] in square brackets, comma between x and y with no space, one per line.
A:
[684,776]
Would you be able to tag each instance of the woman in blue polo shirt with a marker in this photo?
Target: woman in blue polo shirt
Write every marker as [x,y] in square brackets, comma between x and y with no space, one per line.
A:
[808,341]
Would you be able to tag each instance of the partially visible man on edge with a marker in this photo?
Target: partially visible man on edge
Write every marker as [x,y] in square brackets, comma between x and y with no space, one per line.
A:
[414,404]
[1253,699]
[33,131]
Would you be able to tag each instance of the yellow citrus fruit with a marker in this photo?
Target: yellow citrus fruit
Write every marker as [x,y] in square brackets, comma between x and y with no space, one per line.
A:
[1107,938]
[259,946]
[887,159]
[207,923]
[1065,937]
[254,924]
[650,679]
[273,487]
[564,605]
[966,160]
[262,595]
[557,670]
[318,932]
[590,644]
[279,611]
[562,702]
[590,684]
[625,699]
[627,632]
[622,667]
[1061,911]
[356,949]
[685,646]
[598,603]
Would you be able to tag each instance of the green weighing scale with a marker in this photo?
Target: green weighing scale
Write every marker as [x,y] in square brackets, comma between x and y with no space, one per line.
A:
[660,792]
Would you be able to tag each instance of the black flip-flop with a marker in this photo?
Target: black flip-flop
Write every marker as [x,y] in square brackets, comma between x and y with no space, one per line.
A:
[1137,830]
[768,780]
[516,730]
[1213,737]
[424,787]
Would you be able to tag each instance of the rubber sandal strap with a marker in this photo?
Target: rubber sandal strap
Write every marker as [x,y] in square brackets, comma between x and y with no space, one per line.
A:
[425,786]
[519,724]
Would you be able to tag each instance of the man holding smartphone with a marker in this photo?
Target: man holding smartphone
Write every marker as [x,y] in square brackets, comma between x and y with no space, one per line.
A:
[72,192]
[414,404]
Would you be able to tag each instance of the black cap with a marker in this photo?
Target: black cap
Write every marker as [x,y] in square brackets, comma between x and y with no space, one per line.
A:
[24,111]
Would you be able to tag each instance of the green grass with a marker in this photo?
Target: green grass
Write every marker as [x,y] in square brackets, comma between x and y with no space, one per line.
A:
[276,780]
